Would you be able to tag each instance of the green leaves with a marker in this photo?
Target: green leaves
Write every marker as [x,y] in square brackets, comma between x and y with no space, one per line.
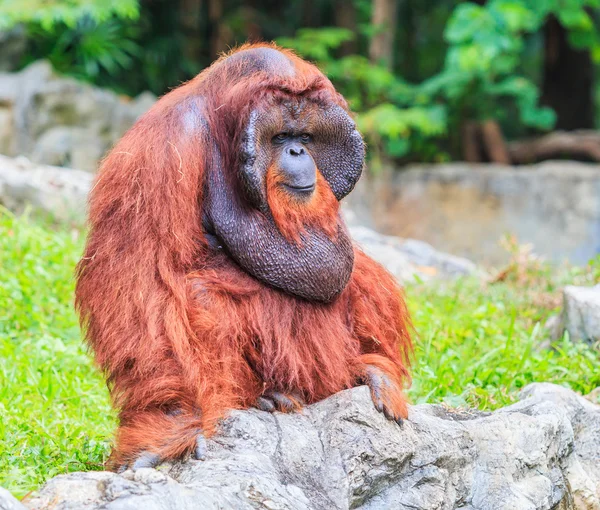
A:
[317,43]
[478,345]
[466,21]
[91,47]
[391,113]
[50,13]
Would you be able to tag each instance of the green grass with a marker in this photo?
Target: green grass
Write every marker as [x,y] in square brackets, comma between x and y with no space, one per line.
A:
[54,411]
[477,345]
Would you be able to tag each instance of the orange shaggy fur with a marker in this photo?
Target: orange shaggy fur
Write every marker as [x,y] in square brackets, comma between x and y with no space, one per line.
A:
[292,216]
[181,331]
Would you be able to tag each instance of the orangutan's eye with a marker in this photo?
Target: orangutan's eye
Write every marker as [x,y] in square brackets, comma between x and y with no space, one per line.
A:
[281,137]
[305,138]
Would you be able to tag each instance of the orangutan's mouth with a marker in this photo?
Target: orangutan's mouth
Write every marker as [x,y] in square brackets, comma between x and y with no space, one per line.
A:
[300,189]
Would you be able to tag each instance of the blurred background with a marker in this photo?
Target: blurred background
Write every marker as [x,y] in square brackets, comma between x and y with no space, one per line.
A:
[502,82]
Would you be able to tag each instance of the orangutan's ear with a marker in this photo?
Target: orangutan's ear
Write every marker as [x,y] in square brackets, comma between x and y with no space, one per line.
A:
[339,150]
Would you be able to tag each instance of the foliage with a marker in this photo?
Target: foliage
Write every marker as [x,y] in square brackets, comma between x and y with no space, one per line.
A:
[477,344]
[480,69]
[87,39]
[485,45]
[480,78]
[575,16]
[89,49]
[50,13]
[480,344]
[54,410]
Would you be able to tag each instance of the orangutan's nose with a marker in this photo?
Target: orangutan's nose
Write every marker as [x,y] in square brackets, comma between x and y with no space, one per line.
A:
[296,150]
[299,169]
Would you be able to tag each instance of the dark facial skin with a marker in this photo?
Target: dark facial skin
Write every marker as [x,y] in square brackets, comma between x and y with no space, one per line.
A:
[295,163]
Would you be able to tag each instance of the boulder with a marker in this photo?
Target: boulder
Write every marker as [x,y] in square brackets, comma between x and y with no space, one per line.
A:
[8,501]
[409,259]
[50,190]
[581,313]
[540,453]
[58,120]
[466,209]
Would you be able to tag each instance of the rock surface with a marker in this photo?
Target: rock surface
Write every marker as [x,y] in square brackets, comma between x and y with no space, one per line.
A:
[466,209]
[408,259]
[581,313]
[540,453]
[60,121]
[49,190]
[8,501]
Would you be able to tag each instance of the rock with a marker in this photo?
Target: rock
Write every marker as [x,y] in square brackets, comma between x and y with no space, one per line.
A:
[59,120]
[8,501]
[51,190]
[466,209]
[408,259]
[540,453]
[555,328]
[581,313]
[68,147]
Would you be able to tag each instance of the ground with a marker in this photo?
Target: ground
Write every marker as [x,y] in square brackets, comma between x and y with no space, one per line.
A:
[477,344]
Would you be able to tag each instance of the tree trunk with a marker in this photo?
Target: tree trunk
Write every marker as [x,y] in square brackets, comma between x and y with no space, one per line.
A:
[494,144]
[218,36]
[345,17]
[579,145]
[568,80]
[471,144]
[190,16]
[384,21]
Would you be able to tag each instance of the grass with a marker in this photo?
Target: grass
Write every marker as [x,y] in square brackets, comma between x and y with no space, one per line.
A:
[477,345]
[54,411]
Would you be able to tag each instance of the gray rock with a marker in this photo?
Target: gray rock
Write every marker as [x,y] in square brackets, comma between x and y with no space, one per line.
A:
[8,501]
[68,147]
[541,453]
[555,328]
[466,209]
[55,191]
[408,259]
[59,120]
[581,313]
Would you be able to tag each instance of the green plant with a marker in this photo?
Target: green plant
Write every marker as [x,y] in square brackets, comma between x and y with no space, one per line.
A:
[481,77]
[89,39]
[50,13]
[89,49]
[481,68]
[575,16]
